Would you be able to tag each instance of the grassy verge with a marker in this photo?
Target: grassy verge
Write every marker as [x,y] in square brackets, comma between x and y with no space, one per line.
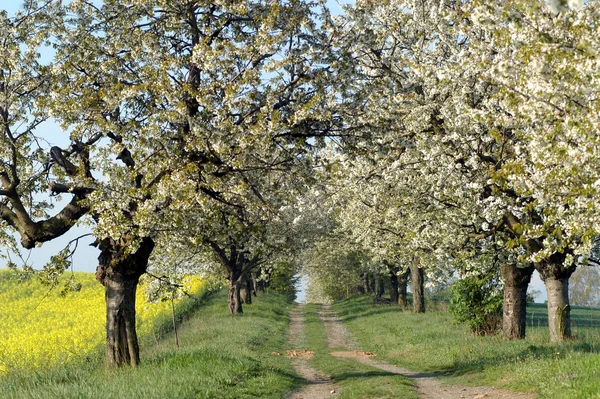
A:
[430,342]
[220,357]
[356,380]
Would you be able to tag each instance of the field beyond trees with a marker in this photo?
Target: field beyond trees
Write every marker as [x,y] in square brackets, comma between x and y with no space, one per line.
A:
[43,326]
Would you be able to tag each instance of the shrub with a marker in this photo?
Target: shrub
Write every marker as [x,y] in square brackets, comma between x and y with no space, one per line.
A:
[477,302]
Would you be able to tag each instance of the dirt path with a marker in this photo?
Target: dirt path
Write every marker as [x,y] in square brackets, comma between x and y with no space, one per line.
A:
[318,386]
[427,385]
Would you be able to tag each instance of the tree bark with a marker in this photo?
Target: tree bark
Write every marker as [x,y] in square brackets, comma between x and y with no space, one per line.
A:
[418,291]
[402,288]
[556,278]
[119,272]
[234,299]
[393,287]
[121,337]
[514,315]
[559,310]
[237,281]
[367,283]
[246,290]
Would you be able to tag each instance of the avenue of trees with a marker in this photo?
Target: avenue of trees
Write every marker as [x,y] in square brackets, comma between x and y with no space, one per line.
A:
[252,140]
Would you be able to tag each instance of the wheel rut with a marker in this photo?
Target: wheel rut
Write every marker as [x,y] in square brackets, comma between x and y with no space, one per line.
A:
[426,384]
[318,385]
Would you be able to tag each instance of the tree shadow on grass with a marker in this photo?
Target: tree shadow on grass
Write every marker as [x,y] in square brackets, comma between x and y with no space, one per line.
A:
[213,361]
[532,352]
[375,309]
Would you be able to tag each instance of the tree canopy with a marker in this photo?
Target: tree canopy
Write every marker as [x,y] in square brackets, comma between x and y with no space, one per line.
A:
[448,138]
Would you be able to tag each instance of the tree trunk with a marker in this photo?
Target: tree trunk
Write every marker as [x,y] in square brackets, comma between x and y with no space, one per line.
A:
[516,280]
[372,284]
[234,299]
[254,284]
[393,287]
[556,278]
[246,290]
[379,290]
[402,285]
[119,272]
[121,337]
[559,310]
[418,291]
[367,283]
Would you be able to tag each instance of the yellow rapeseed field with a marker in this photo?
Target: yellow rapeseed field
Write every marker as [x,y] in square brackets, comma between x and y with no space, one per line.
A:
[40,328]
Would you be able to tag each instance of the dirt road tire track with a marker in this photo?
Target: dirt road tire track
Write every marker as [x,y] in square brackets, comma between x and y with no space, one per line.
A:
[318,385]
[427,385]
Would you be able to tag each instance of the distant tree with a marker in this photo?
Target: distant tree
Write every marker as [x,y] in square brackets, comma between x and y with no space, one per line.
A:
[532,294]
[584,287]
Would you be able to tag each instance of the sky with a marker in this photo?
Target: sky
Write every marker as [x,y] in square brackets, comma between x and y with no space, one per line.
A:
[85,258]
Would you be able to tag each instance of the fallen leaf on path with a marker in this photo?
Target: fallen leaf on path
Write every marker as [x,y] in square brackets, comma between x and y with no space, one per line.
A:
[303,354]
[367,354]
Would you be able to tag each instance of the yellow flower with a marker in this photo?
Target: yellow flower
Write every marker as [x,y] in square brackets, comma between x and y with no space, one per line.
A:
[40,328]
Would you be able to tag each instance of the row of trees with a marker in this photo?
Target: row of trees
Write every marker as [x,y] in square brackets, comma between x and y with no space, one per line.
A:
[481,147]
[188,124]
[252,136]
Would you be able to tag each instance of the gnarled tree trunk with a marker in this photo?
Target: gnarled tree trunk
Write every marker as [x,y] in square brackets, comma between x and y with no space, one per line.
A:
[402,288]
[119,272]
[418,288]
[556,278]
[121,337]
[234,299]
[516,280]
[559,310]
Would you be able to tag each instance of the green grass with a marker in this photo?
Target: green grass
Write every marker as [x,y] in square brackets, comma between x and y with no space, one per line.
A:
[431,342]
[355,379]
[220,357]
